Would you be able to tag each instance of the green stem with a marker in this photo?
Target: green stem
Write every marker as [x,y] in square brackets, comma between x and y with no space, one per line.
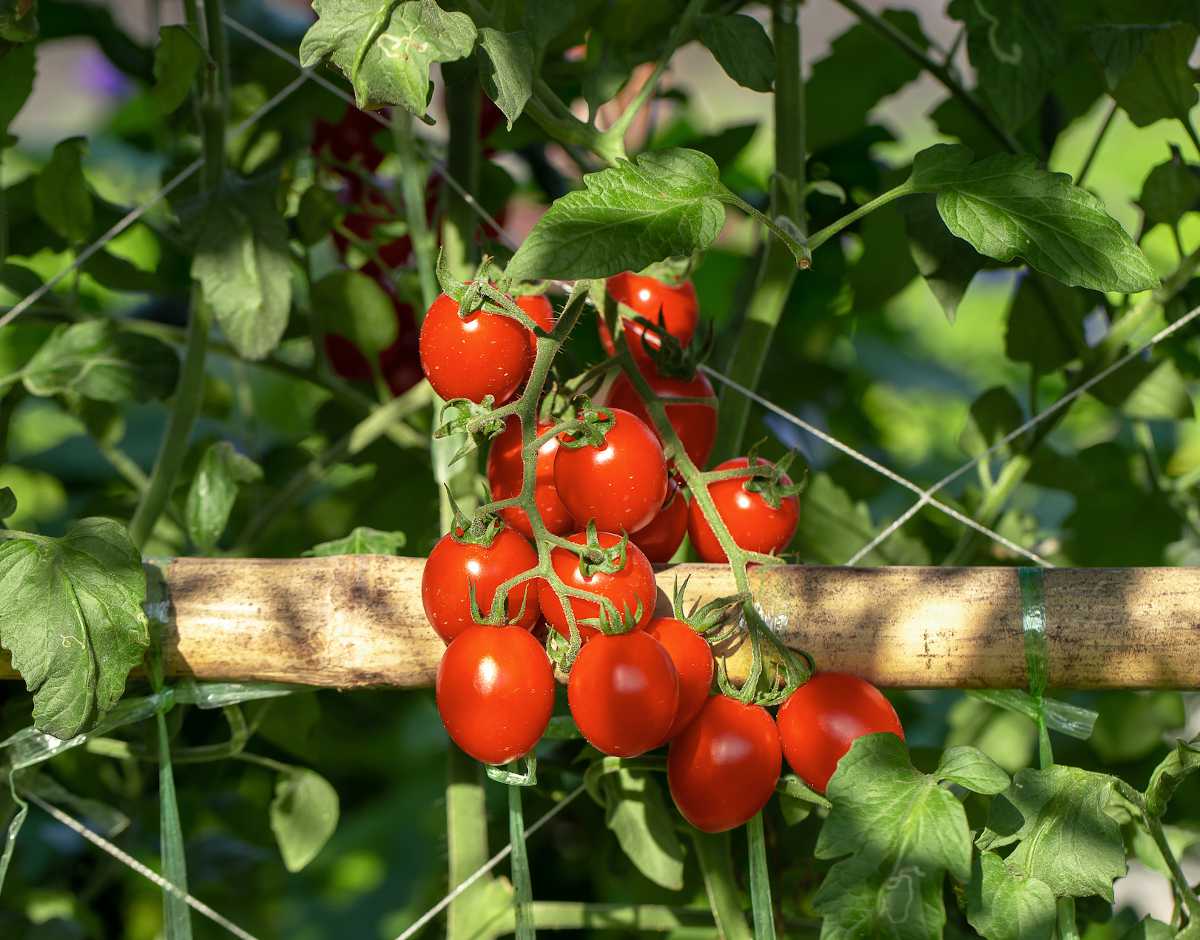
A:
[1190,129]
[760,880]
[1182,885]
[1094,149]
[939,70]
[414,176]
[522,888]
[581,915]
[188,396]
[820,238]
[778,268]
[1011,475]
[715,859]
[466,839]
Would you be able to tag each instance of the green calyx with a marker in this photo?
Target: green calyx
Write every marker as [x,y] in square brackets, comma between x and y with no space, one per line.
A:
[767,480]
[594,558]
[705,619]
[593,424]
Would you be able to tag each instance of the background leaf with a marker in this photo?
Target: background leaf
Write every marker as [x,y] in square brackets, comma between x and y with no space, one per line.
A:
[507,66]
[63,198]
[361,541]
[177,61]
[742,48]
[95,359]
[1160,83]
[638,816]
[213,491]
[355,306]
[304,814]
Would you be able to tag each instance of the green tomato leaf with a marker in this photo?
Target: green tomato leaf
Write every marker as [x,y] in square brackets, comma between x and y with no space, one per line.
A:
[993,415]
[243,266]
[1045,323]
[304,814]
[742,48]
[506,67]
[386,49]
[177,61]
[1170,191]
[1056,818]
[947,264]
[354,306]
[213,491]
[317,214]
[1118,48]
[17,68]
[1182,761]
[626,218]
[1007,207]
[120,275]
[97,360]
[637,814]
[61,193]
[1004,904]
[1131,725]
[1150,929]
[8,502]
[361,541]
[901,832]
[18,21]
[1149,389]
[71,615]
[969,767]
[1160,83]
[833,527]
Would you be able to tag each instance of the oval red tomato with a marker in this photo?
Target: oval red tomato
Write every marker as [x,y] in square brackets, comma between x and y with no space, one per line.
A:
[663,536]
[696,424]
[647,296]
[483,354]
[495,692]
[723,767]
[823,717]
[693,660]
[623,693]
[540,312]
[505,473]
[454,566]
[620,485]
[754,524]
[630,588]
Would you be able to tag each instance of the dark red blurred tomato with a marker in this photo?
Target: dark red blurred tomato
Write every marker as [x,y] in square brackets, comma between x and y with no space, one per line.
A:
[694,665]
[452,568]
[663,536]
[352,138]
[476,356]
[630,589]
[648,296]
[696,424]
[826,715]
[754,524]
[622,484]
[505,472]
[495,692]
[723,767]
[623,693]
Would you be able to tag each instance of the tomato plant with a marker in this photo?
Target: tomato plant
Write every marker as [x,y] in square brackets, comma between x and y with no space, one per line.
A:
[672,307]
[505,472]
[694,665]
[761,515]
[695,423]
[661,537]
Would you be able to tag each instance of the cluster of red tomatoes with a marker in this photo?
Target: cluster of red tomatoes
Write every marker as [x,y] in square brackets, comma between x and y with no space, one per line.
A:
[638,681]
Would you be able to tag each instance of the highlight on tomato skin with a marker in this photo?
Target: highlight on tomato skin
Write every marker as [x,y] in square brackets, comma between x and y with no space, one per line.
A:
[824,717]
[723,767]
[630,589]
[752,522]
[648,297]
[495,692]
[624,693]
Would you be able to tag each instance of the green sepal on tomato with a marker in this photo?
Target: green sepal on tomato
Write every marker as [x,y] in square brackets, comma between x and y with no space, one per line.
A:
[760,514]
[673,307]
[495,692]
[822,718]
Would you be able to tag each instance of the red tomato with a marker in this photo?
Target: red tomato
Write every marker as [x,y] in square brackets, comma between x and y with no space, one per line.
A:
[693,660]
[623,693]
[646,296]
[628,588]
[663,536]
[724,766]
[484,354]
[348,361]
[823,717]
[695,424]
[505,472]
[753,523]
[495,692]
[453,566]
[621,484]
[540,311]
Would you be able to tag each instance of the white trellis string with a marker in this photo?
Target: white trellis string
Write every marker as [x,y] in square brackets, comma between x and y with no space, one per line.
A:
[487,866]
[133,215]
[926,496]
[874,465]
[148,873]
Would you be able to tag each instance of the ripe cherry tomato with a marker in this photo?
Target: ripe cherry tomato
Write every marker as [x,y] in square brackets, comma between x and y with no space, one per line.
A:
[505,471]
[623,693]
[753,523]
[621,484]
[723,767]
[484,354]
[824,717]
[628,588]
[695,424]
[662,537]
[693,660]
[495,692]
[540,312]
[454,566]
[647,296]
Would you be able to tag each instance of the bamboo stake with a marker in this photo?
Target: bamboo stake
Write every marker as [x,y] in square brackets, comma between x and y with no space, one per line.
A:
[358,621]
